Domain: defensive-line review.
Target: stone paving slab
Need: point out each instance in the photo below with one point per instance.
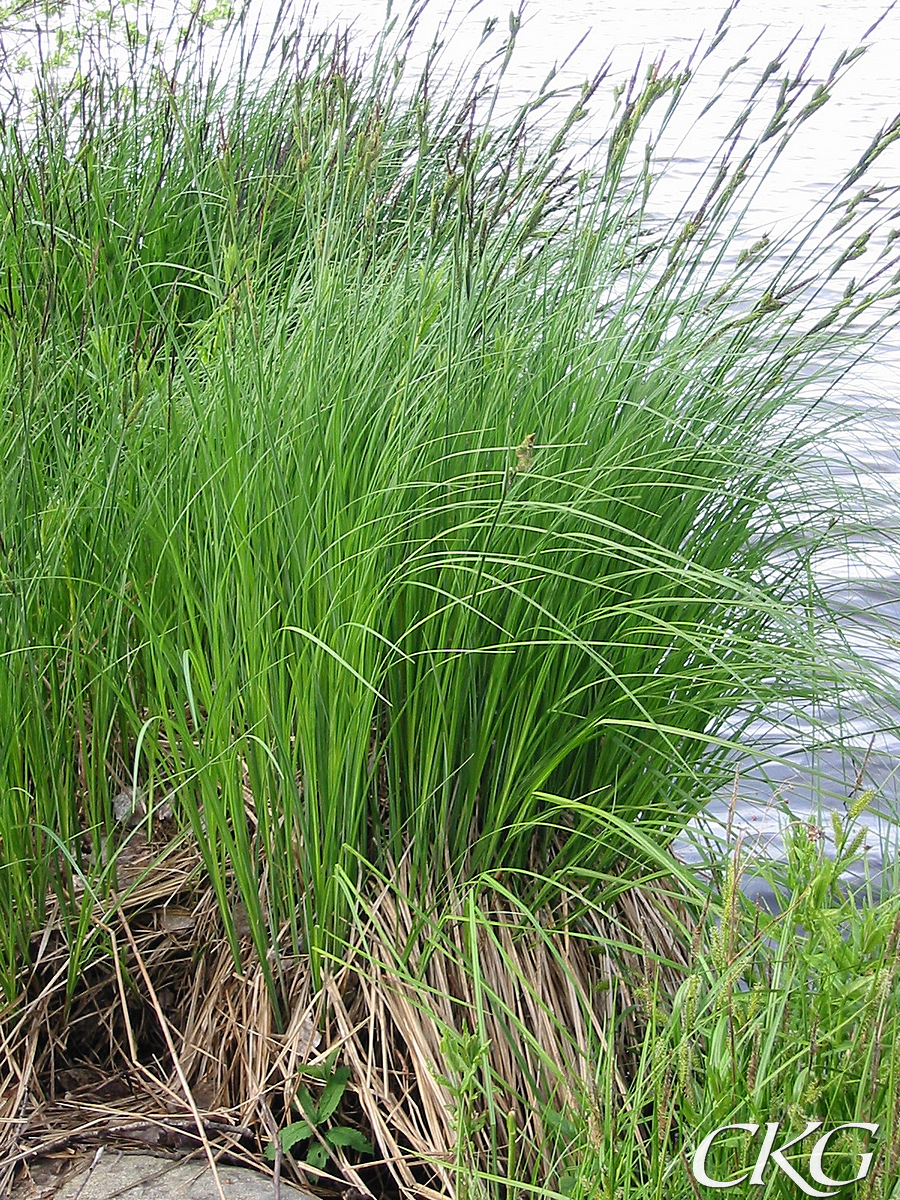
(143, 1177)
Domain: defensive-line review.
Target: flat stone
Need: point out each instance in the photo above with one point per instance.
(143, 1177)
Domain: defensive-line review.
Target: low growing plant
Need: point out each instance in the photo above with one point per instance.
(313, 1130)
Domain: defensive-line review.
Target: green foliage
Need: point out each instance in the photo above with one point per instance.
(786, 1007)
(312, 1129)
(791, 1016)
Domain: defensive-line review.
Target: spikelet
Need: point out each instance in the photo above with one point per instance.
(524, 461)
(861, 803)
(525, 454)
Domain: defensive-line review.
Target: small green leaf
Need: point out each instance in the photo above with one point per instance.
(324, 1069)
(305, 1103)
(317, 1156)
(344, 1136)
(299, 1131)
(334, 1090)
